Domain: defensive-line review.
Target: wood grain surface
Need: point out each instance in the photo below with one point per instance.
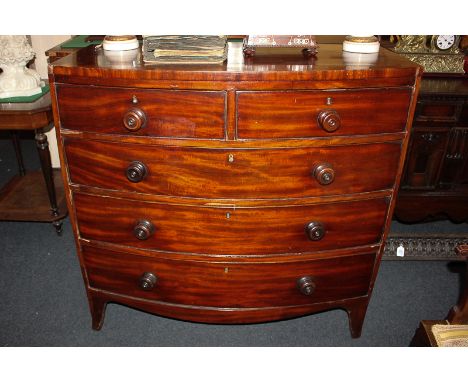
(229, 218)
(233, 173)
(294, 114)
(185, 114)
(227, 284)
(230, 230)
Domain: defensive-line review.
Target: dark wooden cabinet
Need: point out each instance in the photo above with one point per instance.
(251, 191)
(435, 180)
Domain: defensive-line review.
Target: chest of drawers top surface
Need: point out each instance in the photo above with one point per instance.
(255, 190)
(329, 65)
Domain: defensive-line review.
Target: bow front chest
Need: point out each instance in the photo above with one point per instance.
(257, 190)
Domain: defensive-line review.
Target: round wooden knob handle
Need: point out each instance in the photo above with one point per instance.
(148, 281)
(324, 173)
(136, 171)
(315, 231)
(134, 119)
(329, 120)
(143, 229)
(306, 285)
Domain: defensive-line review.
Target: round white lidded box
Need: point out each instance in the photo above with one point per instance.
(124, 42)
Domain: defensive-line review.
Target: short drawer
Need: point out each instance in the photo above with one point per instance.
(229, 284)
(303, 114)
(235, 173)
(158, 113)
(230, 230)
(438, 110)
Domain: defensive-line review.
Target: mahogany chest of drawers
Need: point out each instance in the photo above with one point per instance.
(252, 191)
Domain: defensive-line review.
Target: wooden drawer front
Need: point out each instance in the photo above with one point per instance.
(219, 173)
(295, 114)
(438, 110)
(216, 230)
(426, 154)
(224, 284)
(169, 113)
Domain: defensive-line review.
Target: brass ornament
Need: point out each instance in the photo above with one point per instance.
(422, 50)
(440, 63)
(411, 44)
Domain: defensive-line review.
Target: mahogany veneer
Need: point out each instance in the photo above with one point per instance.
(244, 192)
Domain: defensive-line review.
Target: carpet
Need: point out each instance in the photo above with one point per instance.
(44, 301)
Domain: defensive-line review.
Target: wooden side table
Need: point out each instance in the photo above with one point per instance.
(30, 196)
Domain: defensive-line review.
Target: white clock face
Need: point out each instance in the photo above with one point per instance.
(445, 42)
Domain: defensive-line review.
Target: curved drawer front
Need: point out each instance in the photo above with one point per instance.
(222, 173)
(302, 114)
(224, 284)
(222, 230)
(166, 113)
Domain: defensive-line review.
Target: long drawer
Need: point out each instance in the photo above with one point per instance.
(160, 113)
(235, 173)
(302, 114)
(230, 230)
(229, 284)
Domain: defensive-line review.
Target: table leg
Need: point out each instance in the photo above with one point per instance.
(46, 165)
(19, 156)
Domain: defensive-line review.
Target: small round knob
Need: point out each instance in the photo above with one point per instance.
(136, 171)
(148, 281)
(315, 231)
(143, 229)
(324, 173)
(306, 285)
(329, 120)
(134, 119)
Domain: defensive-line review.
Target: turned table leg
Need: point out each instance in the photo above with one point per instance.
(19, 156)
(46, 165)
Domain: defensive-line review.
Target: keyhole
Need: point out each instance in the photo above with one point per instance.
(231, 158)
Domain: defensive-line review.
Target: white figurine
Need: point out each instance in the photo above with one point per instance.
(17, 80)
